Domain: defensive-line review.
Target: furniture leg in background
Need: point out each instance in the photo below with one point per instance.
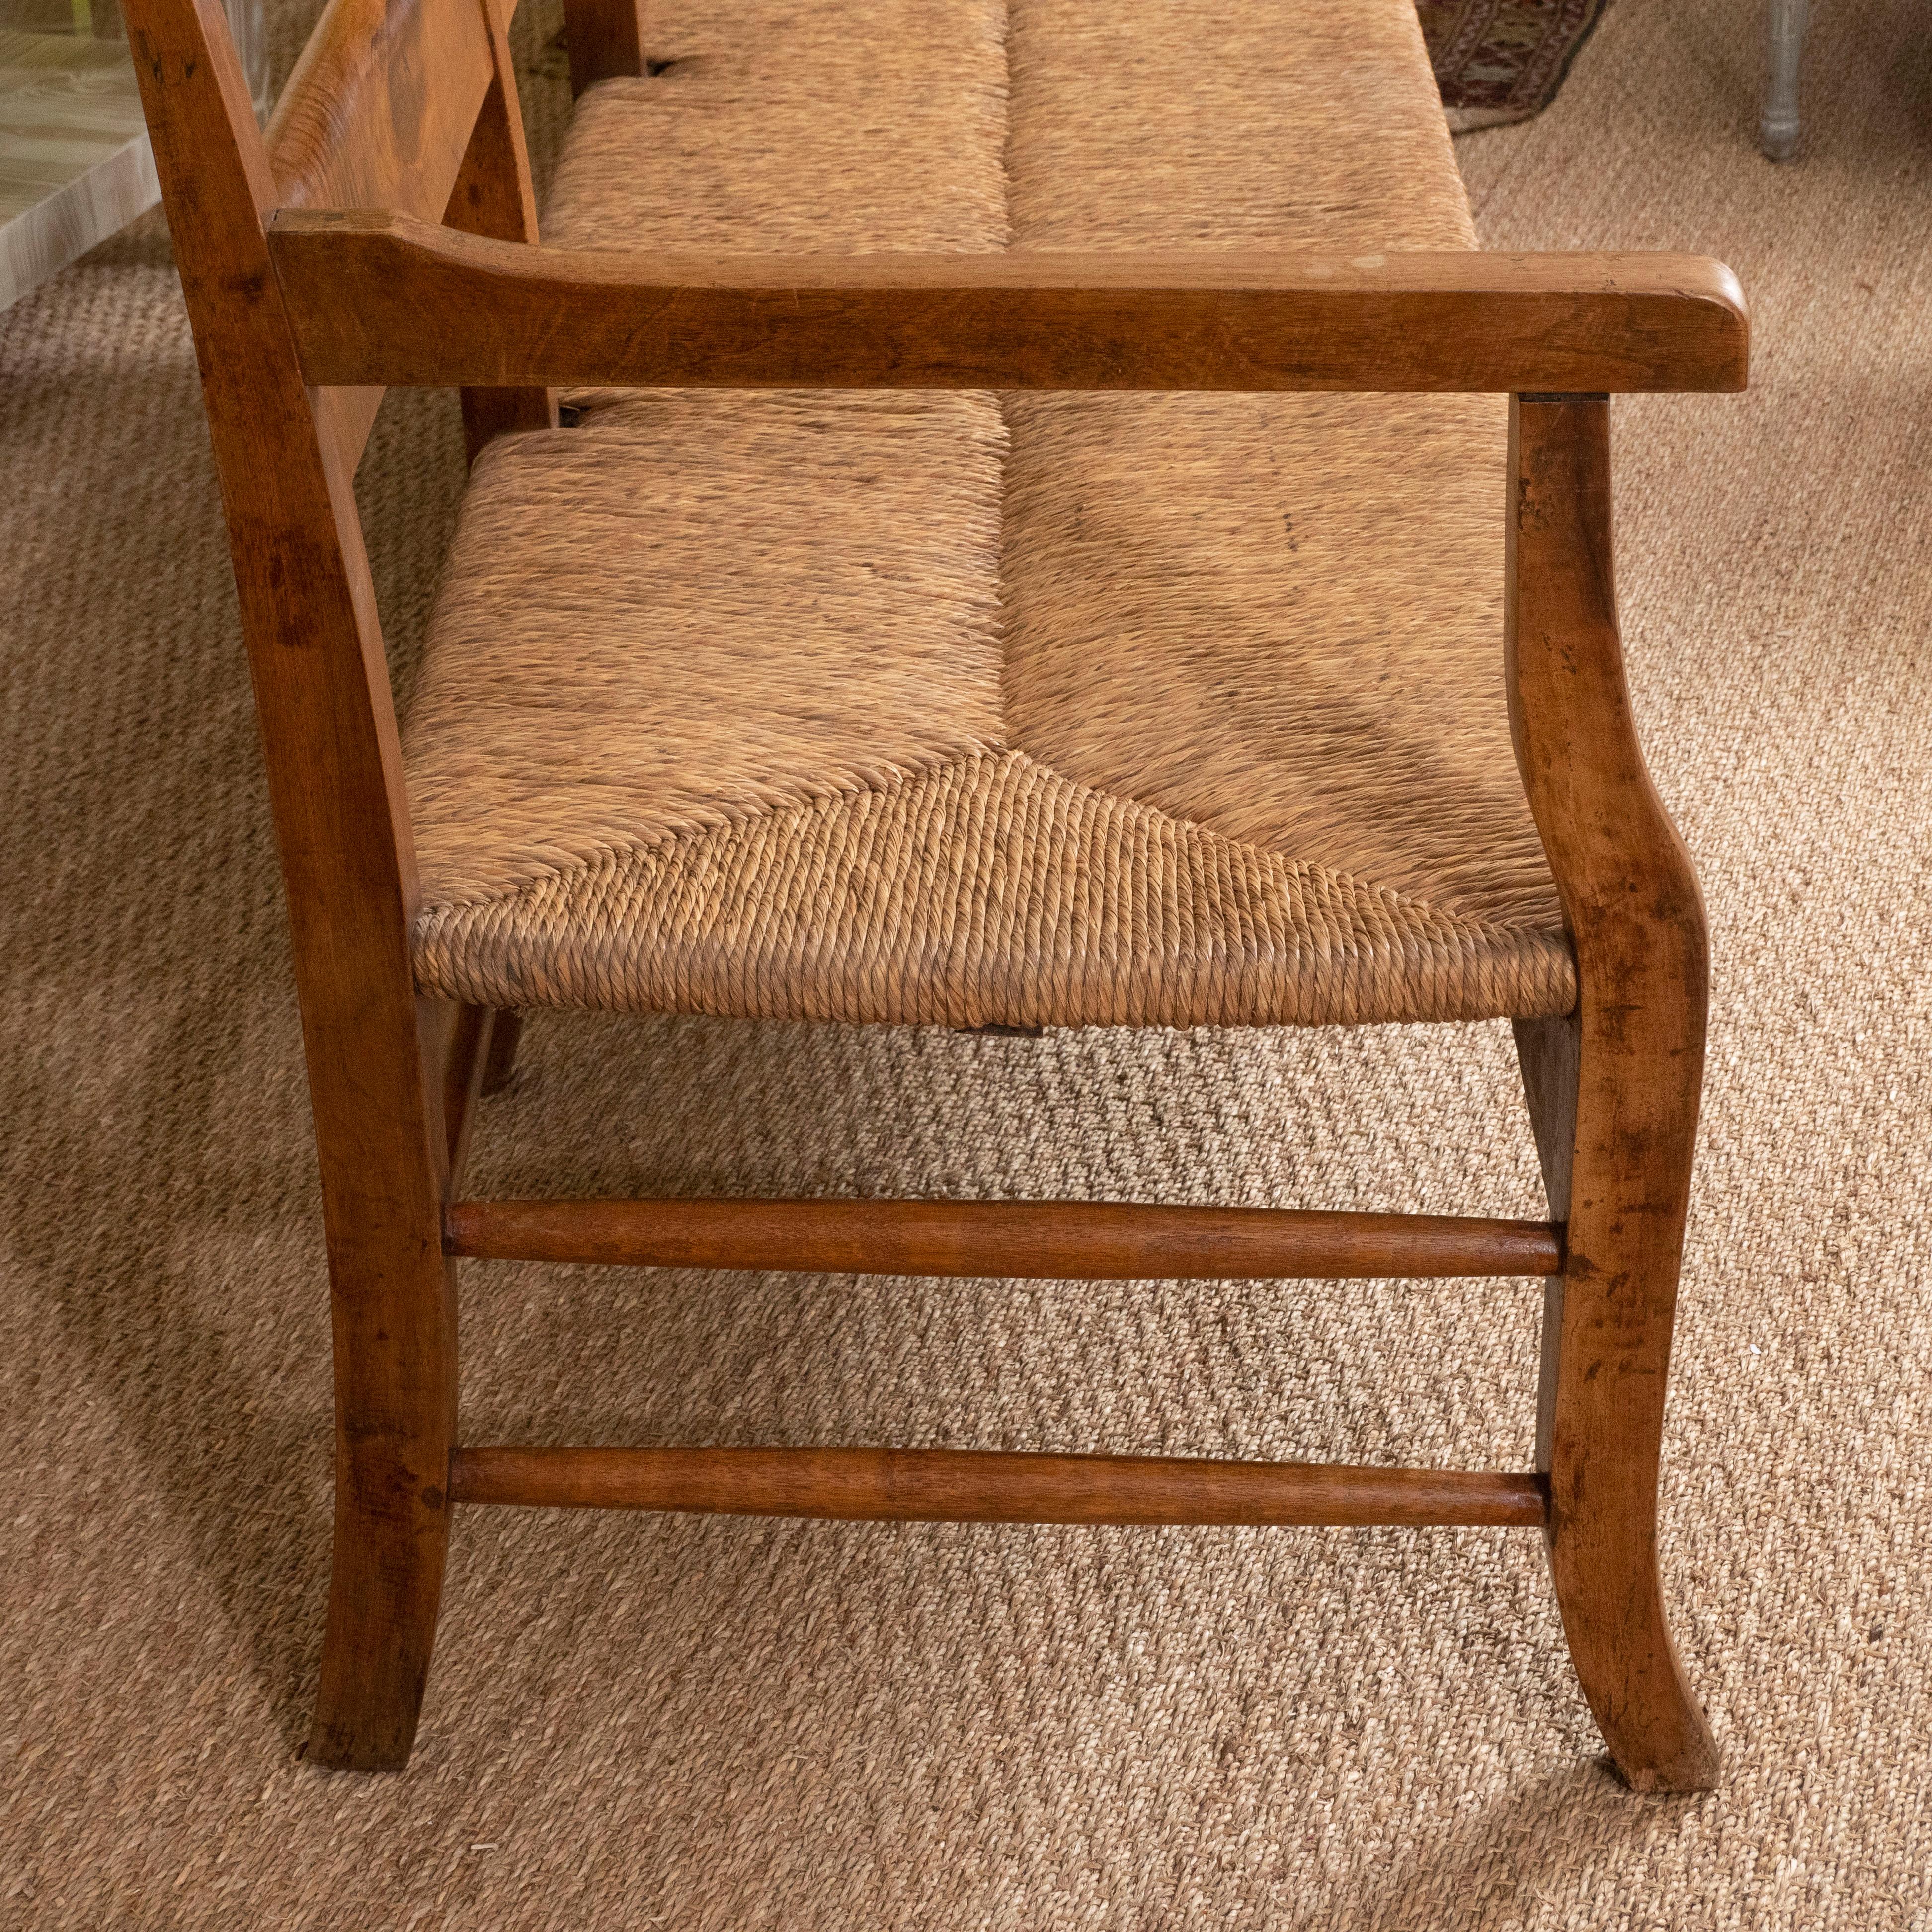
(1777, 132)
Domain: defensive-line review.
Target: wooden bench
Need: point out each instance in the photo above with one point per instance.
(1061, 526)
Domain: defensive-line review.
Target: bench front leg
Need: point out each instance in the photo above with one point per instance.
(1613, 1091)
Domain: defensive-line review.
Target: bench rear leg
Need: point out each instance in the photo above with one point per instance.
(606, 39)
(505, 1033)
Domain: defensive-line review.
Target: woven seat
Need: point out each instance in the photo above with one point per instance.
(722, 713)
(1056, 709)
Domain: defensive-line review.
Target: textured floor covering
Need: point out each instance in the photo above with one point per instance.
(639, 1723)
(1500, 60)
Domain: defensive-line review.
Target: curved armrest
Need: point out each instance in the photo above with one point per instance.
(386, 299)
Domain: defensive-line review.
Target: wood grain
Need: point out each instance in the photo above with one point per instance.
(1057, 1240)
(978, 1486)
(378, 297)
(75, 164)
(378, 113)
(378, 110)
(1614, 1094)
(605, 38)
(493, 195)
(308, 613)
(469, 1044)
(504, 1038)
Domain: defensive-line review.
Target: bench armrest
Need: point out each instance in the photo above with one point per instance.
(387, 299)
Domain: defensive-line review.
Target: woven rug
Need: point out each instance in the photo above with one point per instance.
(1498, 61)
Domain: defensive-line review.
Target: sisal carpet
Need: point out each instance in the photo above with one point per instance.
(641, 1723)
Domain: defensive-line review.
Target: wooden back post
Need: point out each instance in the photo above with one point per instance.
(410, 105)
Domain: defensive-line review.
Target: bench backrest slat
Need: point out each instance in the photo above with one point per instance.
(379, 108)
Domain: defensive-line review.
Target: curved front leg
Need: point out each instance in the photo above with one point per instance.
(1613, 1091)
